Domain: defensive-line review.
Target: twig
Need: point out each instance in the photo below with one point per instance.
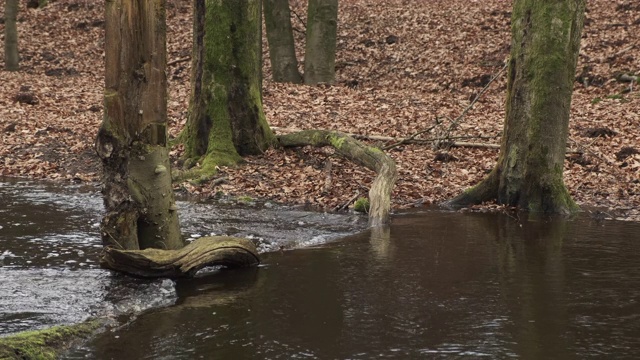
(624, 50)
(475, 145)
(114, 240)
(455, 122)
(177, 61)
(348, 202)
(411, 137)
(293, 11)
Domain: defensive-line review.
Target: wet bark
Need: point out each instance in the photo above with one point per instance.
(11, 57)
(132, 140)
(320, 49)
(544, 51)
(226, 119)
(185, 262)
(282, 53)
(354, 150)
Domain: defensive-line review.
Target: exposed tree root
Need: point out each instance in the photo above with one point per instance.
(486, 190)
(185, 262)
(354, 150)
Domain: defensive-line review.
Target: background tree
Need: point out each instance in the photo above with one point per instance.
(320, 49)
(226, 119)
(11, 58)
(282, 53)
(132, 141)
(544, 51)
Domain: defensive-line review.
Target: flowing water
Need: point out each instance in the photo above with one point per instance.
(433, 285)
(49, 246)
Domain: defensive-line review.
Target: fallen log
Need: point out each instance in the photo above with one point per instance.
(358, 152)
(185, 262)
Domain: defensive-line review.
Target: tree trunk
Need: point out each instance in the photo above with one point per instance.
(544, 51)
(284, 64)
(320, 49)
(370, 157)
(226, 119)
(132, 141)
(11, 58)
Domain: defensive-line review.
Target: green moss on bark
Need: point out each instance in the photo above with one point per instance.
(544, 51)
(226, 120)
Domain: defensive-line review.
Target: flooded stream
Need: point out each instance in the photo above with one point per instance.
(49, 246)
(433, 285)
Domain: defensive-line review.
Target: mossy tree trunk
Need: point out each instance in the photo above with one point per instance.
(226, 119)
(544, 51)
(11, 58)
(132, 141)
(320, 49)
(282, 53)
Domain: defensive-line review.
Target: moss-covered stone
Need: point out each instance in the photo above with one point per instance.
(45, 344)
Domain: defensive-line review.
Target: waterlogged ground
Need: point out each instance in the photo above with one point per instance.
(49, 246)
(435, 285)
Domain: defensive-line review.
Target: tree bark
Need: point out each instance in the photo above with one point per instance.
(226, 119)
(132, 141)
(185, 262)
(544, 51)
(11, 57)
(370, 157)
(320, 49)
(282, 53)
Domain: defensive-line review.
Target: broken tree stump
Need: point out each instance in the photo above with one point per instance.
(360, 153)
(185, 262)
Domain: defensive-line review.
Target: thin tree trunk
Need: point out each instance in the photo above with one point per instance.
(284, 64)
(11, 57)
(226, 119)
(544, 51)
(132, 141)
(320, 49)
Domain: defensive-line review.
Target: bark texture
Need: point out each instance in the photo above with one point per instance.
(370, 157)
(282, 53)
(226, 119)
(11, 57)
(132, 141)
(320, 49)
(185, 262)
(544, 51)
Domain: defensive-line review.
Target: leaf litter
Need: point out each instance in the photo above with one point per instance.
(402, 66)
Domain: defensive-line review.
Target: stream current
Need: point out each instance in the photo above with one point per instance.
(433, 285)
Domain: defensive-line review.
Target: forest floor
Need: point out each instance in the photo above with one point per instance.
(403, 66)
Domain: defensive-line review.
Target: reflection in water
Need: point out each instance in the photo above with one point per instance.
(432, 285)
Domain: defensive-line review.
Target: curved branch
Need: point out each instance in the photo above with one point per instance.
(185, 262)
(356, 151)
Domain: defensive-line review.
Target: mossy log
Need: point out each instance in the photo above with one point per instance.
(358, 152)
(185, 262)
